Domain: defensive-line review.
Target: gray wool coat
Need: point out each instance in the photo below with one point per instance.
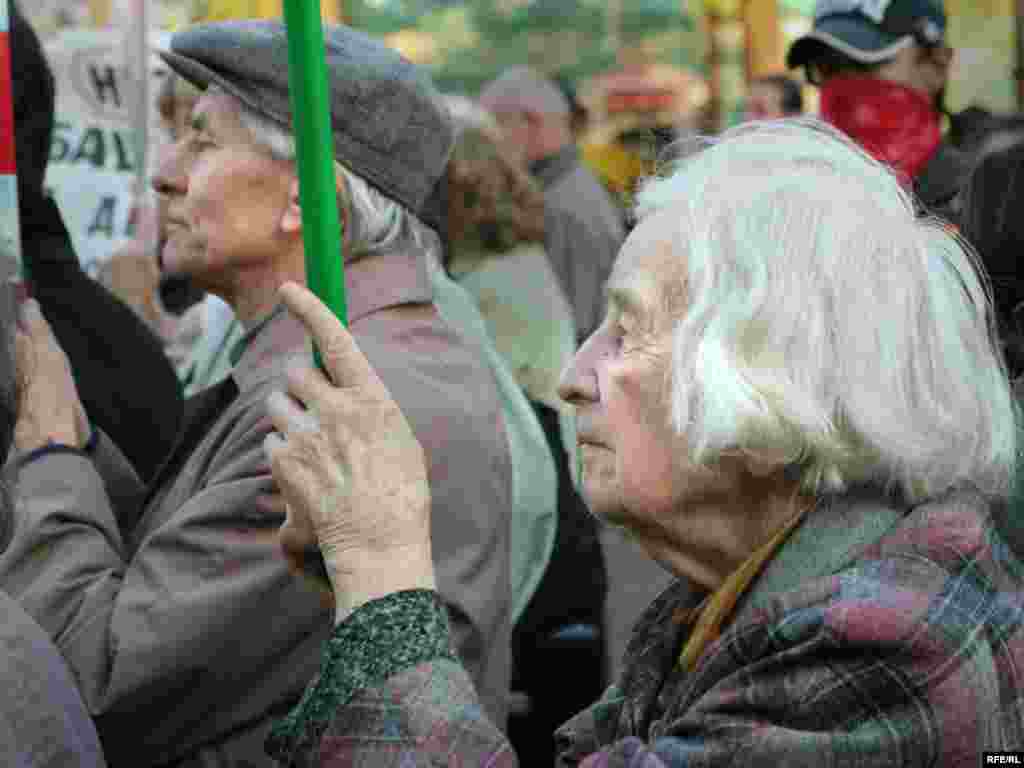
(180, 619)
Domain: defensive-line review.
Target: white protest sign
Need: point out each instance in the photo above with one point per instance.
(93, 173)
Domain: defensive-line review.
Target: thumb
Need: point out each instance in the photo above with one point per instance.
(296, 534)
(24, 356)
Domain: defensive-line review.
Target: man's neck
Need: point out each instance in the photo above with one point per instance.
(255, 293)
(254, 306)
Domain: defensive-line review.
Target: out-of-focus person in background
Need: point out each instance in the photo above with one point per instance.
(127, 386)
(584, 227)
(771, 97)
(992, 220)
(187, 628)
(882, 69)
(797, 403)
(495, 249)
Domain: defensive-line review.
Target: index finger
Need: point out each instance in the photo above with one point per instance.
(346, 366)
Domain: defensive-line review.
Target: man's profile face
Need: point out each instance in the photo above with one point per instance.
(222, 196)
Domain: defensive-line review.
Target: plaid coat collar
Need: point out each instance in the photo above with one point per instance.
(866, 593)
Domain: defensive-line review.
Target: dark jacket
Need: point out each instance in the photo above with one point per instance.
(43, 722)
(126, 383)
(938, 184)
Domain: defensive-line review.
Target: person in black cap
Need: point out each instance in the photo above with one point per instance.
(190, 632)
(882, 67)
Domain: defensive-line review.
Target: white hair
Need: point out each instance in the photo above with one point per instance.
(375, 223)
(828, 328)
(524, 89)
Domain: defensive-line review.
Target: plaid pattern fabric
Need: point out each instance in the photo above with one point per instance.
(877, 636)
(904, 650)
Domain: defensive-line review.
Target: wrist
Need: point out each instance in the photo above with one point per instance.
(358, 578)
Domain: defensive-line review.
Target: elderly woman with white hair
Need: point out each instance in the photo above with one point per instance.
(797, 405)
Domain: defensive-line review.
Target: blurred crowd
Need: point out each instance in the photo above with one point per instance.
(171, 593)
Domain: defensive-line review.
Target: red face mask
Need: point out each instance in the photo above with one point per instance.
(895, 123)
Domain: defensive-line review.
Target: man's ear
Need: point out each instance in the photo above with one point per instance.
(291, 219)
(939, 56)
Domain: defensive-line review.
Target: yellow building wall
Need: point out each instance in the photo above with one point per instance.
(214, 10)
(983, 32)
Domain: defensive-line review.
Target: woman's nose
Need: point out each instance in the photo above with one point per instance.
(578, 382)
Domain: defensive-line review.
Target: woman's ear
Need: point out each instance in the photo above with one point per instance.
(291, 219)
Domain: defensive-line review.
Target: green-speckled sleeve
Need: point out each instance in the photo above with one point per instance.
(379, 640)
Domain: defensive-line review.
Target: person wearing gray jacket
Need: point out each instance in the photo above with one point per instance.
(187, 628)
(583, 226)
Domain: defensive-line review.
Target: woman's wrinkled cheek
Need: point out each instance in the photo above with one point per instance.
(646, 444)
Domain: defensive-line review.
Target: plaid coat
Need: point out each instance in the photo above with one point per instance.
(877, 636)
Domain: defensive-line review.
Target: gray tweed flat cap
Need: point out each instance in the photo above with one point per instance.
(389, 124)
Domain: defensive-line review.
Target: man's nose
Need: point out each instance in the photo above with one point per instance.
(170, 177)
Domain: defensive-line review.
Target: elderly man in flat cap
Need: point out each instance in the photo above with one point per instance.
(186, 625)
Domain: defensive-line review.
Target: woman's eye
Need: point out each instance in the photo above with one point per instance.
(621, 334)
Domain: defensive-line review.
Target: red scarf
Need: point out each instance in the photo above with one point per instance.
(895, 123)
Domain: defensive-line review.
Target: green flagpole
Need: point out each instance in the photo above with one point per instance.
(321, 229)
(311, 118)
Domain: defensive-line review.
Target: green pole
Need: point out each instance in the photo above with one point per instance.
(311, 117)
(321, 229)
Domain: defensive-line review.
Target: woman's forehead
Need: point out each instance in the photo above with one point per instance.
(652, 257)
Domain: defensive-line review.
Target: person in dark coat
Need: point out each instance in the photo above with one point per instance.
(43, 721)
(103, 336)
